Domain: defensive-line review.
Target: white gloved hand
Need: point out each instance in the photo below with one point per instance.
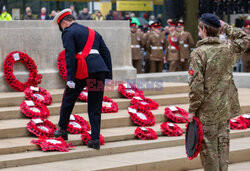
(71, 84)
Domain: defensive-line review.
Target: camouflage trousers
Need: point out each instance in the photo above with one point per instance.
(215, 147)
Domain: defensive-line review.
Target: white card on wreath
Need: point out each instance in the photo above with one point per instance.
(34, 88)
(137, 98)
(37, 121)
(16, 56)
(29, 103)
(131, 110)
(72, 118)
(170, 124)
(89, 132)
(173, 108)
(126, 85)
(144, 129)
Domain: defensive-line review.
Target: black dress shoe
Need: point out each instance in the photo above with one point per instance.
(94, 144)
(61, 133)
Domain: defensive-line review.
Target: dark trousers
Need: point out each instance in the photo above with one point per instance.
(137, 64)
(156, 66)
(95, 84)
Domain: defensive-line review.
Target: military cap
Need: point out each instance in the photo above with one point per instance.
(156, 25)
(210, 19)
(61, 15)
(133, 24)
(171, 23)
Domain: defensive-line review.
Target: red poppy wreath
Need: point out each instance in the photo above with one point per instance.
(129, 90)
(109, 106)
(171, 129)
(34, 77)
(86, 137)
(146, 102)
(176, 114)
(77, 125)
(141, 116)
(246, 119)
(237, 124)
(38, 94)
(41, 127)
(52, 144)
(61, 65)
(34, 109)
(145, 133)
(84, 95)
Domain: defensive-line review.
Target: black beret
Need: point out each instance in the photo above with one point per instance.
(210, 19)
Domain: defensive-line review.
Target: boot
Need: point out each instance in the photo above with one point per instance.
(94, 144)
(61, 133)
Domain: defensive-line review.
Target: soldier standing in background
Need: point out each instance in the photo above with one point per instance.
(136, 44)
(147, 56)
(185, 43)
(156, 43)
(213, 96)
(246, 55)
(173, 50)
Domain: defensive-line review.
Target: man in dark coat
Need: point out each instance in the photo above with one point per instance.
(84, 15)
(97, 62)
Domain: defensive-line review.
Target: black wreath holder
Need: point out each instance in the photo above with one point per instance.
(146, 102)
(34, 110)
(52, 144)
(41, 127)
(84, 95)
(171, 129)
(86, 137)
(129, 90)
(193, 138)
(141, 116)
(109, 106)
(145, 133)
(77, 125)
(176, 114)
(34, 77)
(38, 94)
(237, 124)
(246, 119)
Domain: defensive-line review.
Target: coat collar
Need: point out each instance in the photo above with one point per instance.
(208, 40)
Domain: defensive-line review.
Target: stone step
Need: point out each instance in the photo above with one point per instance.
(17, 127)
(16, 98)
(165, 153)
(242, 166)
(22, 144)
(81, 107)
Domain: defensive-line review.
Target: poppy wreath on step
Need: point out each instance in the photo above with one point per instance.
(109, 106)
(86, 137)
(200, 138)
(52, 144)
(34, 77)
(38, 94)
(34, 109)
(245, 118)
(237, 124)
(141, 116)
(129, 90)
(176, 114)
(146, 102)
(171, 129)
(145, 133)
(77, 125)
(61, 65)
(84, 95)
(41, 127)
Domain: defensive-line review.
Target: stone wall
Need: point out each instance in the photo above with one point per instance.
(42, 41)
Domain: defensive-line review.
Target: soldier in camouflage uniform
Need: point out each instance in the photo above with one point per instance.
(186, 42)
(136, 44)
(173, 49)
(156, 43)
(246, 55)
(213, 95)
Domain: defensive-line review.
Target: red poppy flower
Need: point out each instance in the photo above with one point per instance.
(145, 133)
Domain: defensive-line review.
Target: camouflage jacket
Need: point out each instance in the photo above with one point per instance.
(213, 95)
